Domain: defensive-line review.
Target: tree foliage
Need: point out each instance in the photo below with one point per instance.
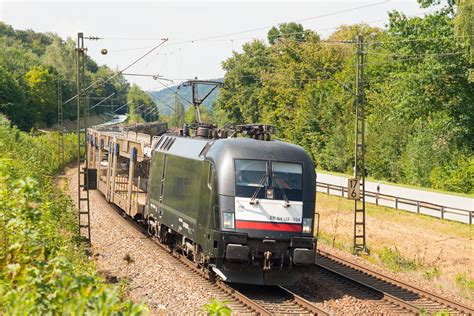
(31, 64)
(420, 102)
(43, 269)
(140, 106)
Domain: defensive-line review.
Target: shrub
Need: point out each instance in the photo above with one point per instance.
(217, 308)
(43, 269)
(394, 260)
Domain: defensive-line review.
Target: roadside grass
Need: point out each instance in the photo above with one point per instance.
(393, 260)
(408, 186)
(465, 284)
(432, 273)
(391, 249)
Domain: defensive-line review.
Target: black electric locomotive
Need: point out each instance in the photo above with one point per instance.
(243, 207)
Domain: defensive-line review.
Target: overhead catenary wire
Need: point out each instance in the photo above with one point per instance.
(419, 39)
(412, 58)
(255, 29)
(322, 42)
(174, 92)
(193, 41)
(164, 40)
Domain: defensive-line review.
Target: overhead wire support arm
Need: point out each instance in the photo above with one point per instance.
(196, 100)
(155, 77)
(164, 40)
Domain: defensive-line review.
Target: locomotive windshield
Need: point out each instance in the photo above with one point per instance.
(251, 177)
(287, 178)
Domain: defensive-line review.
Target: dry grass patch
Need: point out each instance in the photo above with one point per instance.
(424, 247)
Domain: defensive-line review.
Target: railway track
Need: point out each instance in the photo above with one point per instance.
(409, 299)
(269, 301)
(277, 300)
(258, 300)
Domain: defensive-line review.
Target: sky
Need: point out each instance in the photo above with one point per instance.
(201, 34)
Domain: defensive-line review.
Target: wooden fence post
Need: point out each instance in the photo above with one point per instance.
(418, 207)
(442, 212)
(396, 203)
(327, 188)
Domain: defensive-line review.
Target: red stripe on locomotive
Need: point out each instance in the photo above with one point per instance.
(268, 226)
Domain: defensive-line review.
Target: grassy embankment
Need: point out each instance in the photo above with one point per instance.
(423, 247)
(43, 267)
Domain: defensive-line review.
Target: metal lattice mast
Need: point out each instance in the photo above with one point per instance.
(360, 245)
(60, 124)
(82, 157)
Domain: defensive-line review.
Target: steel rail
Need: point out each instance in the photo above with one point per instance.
(405, 286)
(305, 303)
(228, 290)
(241, 298)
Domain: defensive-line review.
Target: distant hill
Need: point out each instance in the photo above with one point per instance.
(165, 98)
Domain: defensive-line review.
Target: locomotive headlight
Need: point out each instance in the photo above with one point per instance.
(307, 225)
(228, 220)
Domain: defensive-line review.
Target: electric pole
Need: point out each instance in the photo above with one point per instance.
(360, 245)
(60, 124)
(82, 143)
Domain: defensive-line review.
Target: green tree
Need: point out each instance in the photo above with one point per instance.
(178, 113)
(238, 98)
(419, 99)
(13, 100)
(42, 94)
(206, 115)
(292, 30)
(464, 29)
(140, 103)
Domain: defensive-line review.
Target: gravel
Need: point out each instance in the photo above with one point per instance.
(341, 297)
(123, 253)
(407, 277)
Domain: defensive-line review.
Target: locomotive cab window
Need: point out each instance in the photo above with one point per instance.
(287, 181)
(250, 175)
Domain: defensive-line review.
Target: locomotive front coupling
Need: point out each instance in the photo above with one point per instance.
(268, 252)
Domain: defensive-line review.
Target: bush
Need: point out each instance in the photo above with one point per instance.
(43, 269)
(456, 176)
(394, 260)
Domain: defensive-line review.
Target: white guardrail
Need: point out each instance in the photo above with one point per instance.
(420, 207)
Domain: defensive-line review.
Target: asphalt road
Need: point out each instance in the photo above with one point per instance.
(447, 200)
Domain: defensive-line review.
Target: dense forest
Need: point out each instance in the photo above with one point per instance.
(33, 64)
(419, 93)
